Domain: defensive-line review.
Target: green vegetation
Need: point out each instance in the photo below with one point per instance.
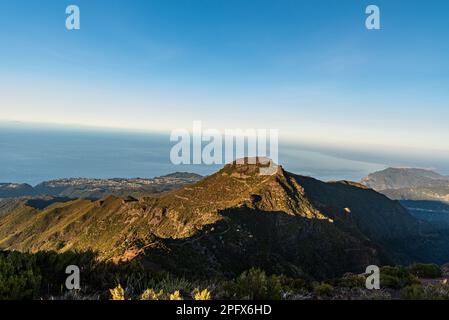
(430, 271)
(20, 277)
(426, 292)
(352, 281)
(323, 290)
(396, 277)
(42, 276)
(254, 285)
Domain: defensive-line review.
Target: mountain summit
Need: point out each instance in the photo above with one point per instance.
(410, 184)
(399, 178)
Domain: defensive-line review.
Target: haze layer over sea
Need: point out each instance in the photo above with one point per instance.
(32, 154)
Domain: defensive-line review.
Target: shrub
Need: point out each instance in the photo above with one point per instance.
(427, 292)
(353, 281)
(323, 290)
(20, 277)
(421, 270)
(294, 284)
(150, 294)
(170, 283)
(414, 292)
(177, 296)
(117, 293)
(201, 295)
(439, 291)
(254, 285)
(396, 277)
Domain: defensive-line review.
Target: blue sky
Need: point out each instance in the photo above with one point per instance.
(308, 68)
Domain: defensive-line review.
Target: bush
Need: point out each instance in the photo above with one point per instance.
(19, 276)
(396, 277)
(294, 284)
(170, 283)
(117, 293)
(150, 294)
(201, 295)
(353, 281)
(323, 290)
(254, 285)
(429, 271)
(428, 292)
(177, 296)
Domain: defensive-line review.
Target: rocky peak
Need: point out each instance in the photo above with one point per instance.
(252, 166)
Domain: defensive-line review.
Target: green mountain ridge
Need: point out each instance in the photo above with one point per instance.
(233, 220)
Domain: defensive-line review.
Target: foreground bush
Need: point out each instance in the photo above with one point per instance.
(352, 281)
(20, 276)
(201, 295)
(429, 271)
(254, 285)
(42, 276)
(117, 293)
(426, 292)
(323, 290)
(396, 277)
(151, 294)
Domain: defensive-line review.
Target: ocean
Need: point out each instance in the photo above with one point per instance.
(32, 154)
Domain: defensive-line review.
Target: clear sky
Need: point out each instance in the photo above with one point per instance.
(308, 68)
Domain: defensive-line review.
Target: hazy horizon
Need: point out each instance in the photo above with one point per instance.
(346, 100)
(36, 153)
